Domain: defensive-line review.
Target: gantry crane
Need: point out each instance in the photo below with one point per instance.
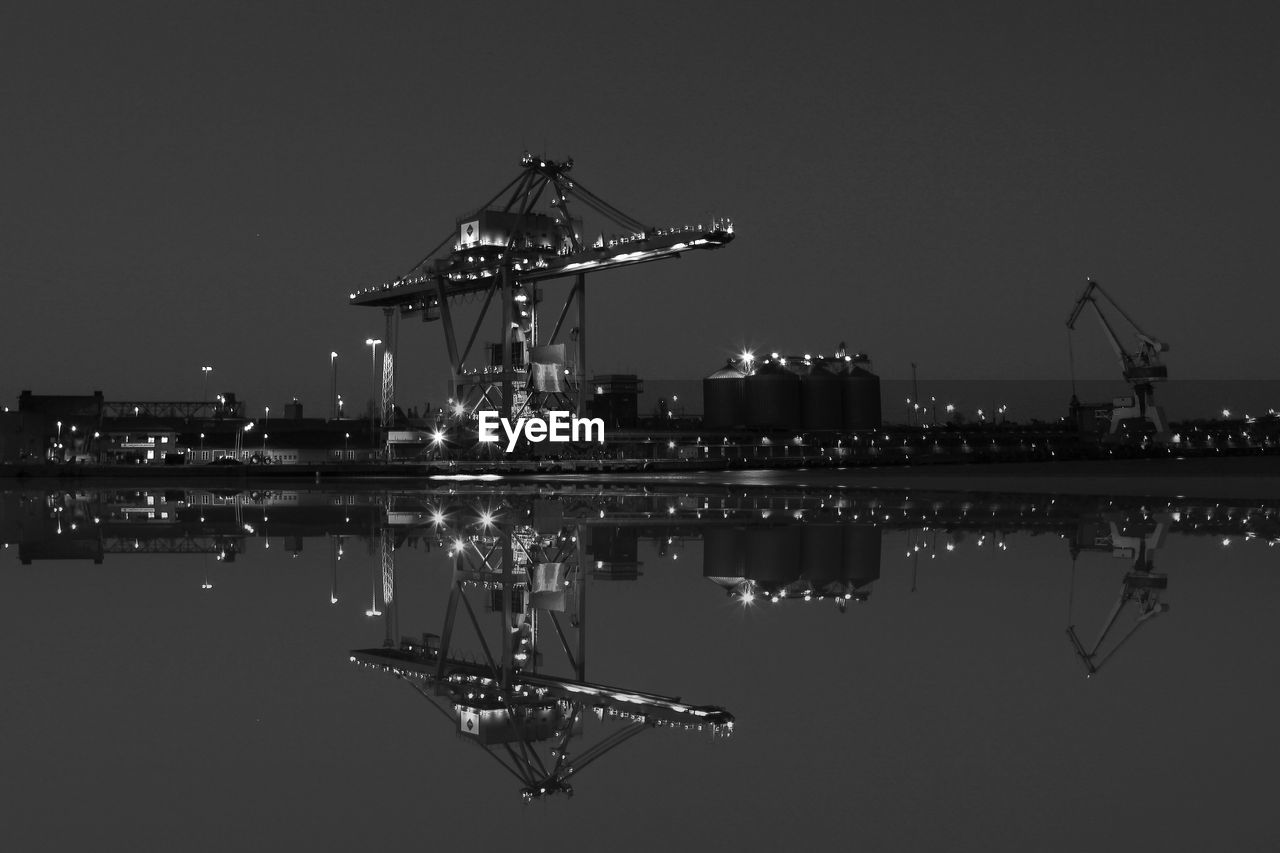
(1141, 369)
(1142, 586)
(506, 249)
(532, 576)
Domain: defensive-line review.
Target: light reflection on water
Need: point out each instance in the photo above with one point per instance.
(682, 648)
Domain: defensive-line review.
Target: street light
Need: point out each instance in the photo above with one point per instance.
(205, 394)
(333, 384)
(372, 344)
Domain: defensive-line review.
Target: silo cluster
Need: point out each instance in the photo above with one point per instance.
(792, 393)
(826, 554)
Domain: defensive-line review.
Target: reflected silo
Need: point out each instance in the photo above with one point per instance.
(861, 553)
(724, 398)
(773, 398)
(861, 399)
(822, 552)
(724, 552)
(773, 553)
(821, 399)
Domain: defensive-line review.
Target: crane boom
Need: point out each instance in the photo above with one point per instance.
(1140, 368)
(1087, 298)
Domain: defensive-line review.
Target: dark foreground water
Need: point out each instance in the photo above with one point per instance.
(937, 671)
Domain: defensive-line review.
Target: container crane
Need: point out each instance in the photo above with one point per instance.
(1141, 369)
(504, 253)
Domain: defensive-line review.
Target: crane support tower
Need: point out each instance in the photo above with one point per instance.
(502, 252)
(1141, 369)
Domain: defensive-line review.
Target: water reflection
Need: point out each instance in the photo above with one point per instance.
(503, 696)
(1129, 536)
(504, 665)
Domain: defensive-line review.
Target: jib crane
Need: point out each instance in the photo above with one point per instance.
(1141, 369)
(1136, 540)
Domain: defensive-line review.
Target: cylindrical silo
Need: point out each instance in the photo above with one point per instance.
(724, 552)
(821, 399)
(861, 553)
(773, 553)
(861, 399)
(773, 398)
(724, 398)
(822, 552)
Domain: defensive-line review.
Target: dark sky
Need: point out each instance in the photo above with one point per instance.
(203, 185)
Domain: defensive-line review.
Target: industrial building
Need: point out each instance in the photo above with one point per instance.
(90, 430)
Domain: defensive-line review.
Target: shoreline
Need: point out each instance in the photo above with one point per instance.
(1237, 477)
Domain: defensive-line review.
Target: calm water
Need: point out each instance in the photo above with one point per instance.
(180, 674)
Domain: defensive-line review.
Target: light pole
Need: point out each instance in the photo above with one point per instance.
(205, 394)
(266, 416)
(373, 600)
(915, 386)
(333, 385)
(372, 343)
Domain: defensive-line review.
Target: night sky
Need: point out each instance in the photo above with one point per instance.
(192, 185)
